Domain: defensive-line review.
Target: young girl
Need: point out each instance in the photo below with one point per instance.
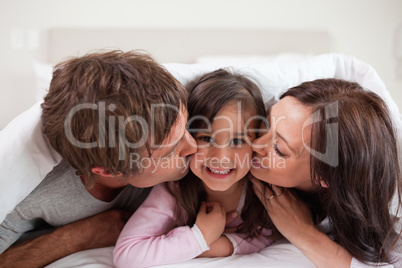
(187, 218)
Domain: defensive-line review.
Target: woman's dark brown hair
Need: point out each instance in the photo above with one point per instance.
(101, 104)
(212, 92)
(362, 174)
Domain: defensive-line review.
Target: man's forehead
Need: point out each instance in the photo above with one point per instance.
(176, 132)
(178, 127)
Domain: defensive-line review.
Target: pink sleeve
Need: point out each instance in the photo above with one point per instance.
(246, 246)
(142, 241)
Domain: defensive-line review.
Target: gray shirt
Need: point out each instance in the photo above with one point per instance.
(59, 199)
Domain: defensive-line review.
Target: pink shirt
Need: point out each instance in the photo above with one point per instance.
(142, 242)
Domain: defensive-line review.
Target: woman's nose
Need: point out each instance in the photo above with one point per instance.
(260, 145)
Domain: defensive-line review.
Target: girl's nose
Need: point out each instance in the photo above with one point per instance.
(221, 152)
(220, 157)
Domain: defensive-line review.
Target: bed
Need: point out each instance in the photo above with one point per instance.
(265, 55)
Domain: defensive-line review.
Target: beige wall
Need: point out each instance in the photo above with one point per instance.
(362, 28)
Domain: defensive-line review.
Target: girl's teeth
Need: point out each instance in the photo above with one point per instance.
(220, 172)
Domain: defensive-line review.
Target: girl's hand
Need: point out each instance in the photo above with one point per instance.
(211, 220)
(222, 247)
(291, 216)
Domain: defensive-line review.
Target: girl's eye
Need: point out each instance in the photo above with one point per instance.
(205, 139)
(237, 142)
(275, 146)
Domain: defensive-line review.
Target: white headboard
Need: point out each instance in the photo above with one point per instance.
(186, 45)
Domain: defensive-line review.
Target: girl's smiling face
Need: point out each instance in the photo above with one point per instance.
(224, 149)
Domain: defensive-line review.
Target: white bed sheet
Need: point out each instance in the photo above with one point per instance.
(281, 254)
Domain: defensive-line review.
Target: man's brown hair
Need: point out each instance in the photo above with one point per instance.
(104, 106)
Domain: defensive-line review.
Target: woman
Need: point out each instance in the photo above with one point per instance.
(334, 145)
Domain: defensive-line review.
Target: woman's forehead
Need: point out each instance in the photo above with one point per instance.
(292, 120)
(291, 109)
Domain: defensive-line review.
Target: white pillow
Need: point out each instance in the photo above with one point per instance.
(43, 75)
(26, 157)
(251, 59)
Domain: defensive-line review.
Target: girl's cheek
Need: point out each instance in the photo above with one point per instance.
(244, 159)
(193, 162)
(197, 160)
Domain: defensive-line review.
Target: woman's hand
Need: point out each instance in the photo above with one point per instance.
(294, 220)
(290, 215)
(211, 220)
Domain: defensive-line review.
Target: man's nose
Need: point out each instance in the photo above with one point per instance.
(188, 145)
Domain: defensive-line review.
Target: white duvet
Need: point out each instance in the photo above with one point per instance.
(281, 254)
(26, 156)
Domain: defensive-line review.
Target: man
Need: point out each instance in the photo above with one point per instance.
(118, 119)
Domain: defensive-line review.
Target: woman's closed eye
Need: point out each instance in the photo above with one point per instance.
(275, 146)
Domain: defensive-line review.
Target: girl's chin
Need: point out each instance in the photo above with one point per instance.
(216, 187)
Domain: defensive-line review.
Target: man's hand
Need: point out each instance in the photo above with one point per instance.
(100, 230)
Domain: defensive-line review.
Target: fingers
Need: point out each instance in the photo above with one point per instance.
(219, 208)
(203, 207)
(260, 189)
(262, 192)
(230, 230)
(257, 184)
(231, 216)
(278, 191)
(209, 207)
(273, 191)
(267, 195)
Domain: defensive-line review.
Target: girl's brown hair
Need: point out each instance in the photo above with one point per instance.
(116, 96)
(212, 92)
(365, 176)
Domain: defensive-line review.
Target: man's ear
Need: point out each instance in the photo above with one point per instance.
(104, 172)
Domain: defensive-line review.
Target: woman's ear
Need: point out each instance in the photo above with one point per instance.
(320, 181)
(323, 183)
(104, 172)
